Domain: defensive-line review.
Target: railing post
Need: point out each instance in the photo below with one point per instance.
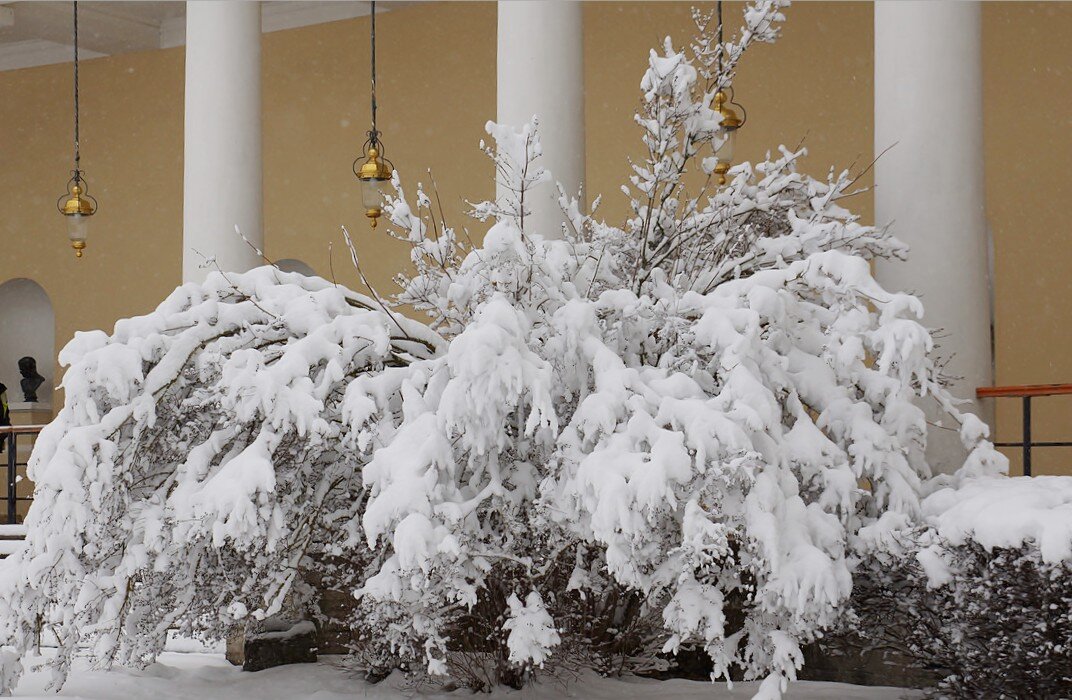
(12, 472)
(1027, 436)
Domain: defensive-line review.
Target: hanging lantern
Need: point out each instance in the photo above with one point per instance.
(725, 139)
(726, 135)
(376, 169)
(77, 205)
(373, 173)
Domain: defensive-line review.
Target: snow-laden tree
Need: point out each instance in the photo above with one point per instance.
(609, 442)
(196, 458)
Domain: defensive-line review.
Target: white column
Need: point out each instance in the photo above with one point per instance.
(541, 73)
(222, 165)
(929, 185)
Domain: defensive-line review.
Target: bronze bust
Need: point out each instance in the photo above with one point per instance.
(31, 380)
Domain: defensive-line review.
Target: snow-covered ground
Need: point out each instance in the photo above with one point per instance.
(209, 677)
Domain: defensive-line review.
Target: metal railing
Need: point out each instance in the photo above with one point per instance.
(1025, 394)
(12, 436)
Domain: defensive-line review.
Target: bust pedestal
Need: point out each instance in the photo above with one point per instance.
(27, 413)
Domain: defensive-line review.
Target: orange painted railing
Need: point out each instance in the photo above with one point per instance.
(1027, 390)
(1025, 393)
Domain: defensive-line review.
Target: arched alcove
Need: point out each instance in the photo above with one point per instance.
(27, 328)
(295, 265)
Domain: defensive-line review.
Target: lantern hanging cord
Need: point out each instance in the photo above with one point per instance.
(720, 49)
(77, 155)
(374, 134)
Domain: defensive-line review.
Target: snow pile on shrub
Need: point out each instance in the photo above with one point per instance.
(672, 434)
(980, 593)
(532, 630)
(1007, 513)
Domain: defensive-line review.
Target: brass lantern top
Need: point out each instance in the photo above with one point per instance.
(77, 204)
(724, 106)
(376, 167)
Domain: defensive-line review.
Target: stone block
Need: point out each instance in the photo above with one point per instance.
(275, 643)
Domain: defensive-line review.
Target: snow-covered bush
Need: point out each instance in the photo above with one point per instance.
(630, 440)
(980, 596)
(195, 463)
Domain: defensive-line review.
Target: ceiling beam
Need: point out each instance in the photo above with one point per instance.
(40, 33)
(287, 14)
(101, 30)
(35, 52)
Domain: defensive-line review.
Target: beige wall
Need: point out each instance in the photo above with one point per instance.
(437, 88)
(1028, 116)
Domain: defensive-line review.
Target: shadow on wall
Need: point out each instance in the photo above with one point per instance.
(27, 329)
(292, 265)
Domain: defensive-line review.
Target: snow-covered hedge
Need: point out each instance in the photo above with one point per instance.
(671, 433)
(980, 595)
